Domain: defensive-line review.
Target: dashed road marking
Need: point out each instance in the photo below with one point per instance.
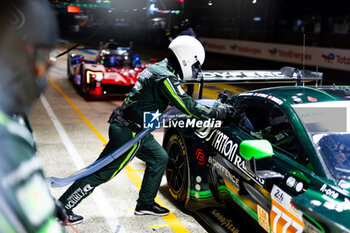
(98, 196)
(159, 226)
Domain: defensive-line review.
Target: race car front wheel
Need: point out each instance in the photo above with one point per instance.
(176, 172)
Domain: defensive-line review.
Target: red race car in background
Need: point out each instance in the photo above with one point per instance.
(114, 72)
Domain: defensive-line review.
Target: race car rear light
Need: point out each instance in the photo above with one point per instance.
(73, 9)
(91, 75)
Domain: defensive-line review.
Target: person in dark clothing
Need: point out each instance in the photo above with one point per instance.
(187, 29)
(28, 34)
(157, 87)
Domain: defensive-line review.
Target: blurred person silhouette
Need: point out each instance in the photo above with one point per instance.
(28, 34)
(185, 29)
(341, 149)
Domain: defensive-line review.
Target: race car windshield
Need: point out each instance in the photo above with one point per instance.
(328, 127)
(117, 61)
(335, 150)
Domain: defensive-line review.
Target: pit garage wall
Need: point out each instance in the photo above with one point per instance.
(314, 56)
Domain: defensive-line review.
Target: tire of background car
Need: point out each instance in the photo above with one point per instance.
(82, 77)
(68, 69)
(177, 171)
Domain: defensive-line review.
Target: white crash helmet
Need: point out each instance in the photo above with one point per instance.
(189, 53)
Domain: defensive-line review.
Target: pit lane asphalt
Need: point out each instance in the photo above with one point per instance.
(70, 133)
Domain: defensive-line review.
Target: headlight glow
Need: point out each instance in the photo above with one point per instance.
(90, 75)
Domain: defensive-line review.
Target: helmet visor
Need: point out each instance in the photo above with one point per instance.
(196, 69)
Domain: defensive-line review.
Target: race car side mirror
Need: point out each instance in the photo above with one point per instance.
(257, 149)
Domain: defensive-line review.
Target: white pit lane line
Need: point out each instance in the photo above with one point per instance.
(98, 196)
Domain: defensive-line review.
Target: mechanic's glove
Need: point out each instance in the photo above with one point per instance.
(224, 112)
(221, 112)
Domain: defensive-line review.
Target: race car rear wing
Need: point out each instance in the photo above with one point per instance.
(284, 75)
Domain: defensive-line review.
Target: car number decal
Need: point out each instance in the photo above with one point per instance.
(284, 217)
(225, 146)
(263, 218)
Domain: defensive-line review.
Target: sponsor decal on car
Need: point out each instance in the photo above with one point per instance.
(284, 217)
(329, 191)
(265, 96)
(311, 99)
(200, 156)
(225, 222)
(344, 184)
(229, 150)
(263, 218)
(225, 146)
(292, 183)
(332, 204)
(233, 180)
(337, 206)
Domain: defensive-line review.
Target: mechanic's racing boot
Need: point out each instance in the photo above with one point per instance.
(73, 218)
(154, 209)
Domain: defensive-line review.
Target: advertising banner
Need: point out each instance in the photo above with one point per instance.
(313, 56)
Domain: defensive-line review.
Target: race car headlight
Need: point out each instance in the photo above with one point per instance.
(91, 75)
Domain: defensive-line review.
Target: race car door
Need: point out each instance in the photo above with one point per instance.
(267, 185)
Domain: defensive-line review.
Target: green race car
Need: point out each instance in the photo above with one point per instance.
(283, 157)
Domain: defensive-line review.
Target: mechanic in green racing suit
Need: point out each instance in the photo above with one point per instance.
(28, 33)
(157, 87)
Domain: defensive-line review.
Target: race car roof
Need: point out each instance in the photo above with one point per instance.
(325, 117)
(300, 94)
